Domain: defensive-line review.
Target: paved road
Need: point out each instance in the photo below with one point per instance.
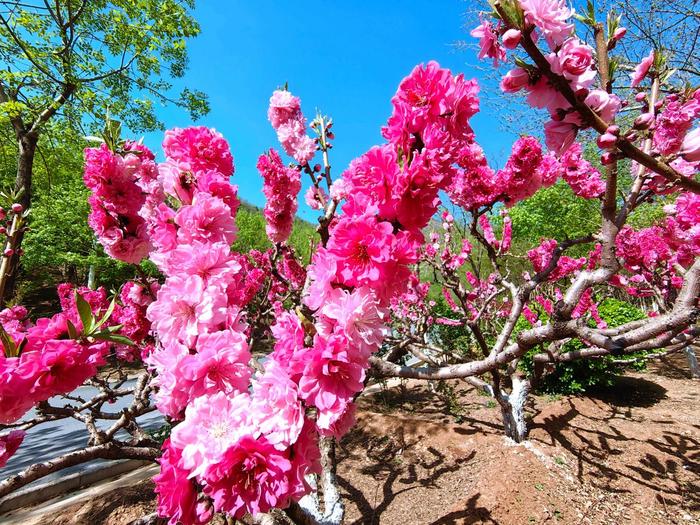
(51, 439)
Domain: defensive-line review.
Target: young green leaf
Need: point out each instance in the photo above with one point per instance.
(85, 313)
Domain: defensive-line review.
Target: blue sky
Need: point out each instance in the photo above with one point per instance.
(344, 58)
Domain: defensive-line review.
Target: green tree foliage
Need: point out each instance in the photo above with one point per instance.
(83, 58)
(252, 236)
(553, 213)
(70, 64)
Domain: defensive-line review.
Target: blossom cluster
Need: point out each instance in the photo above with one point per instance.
(50, 357)
(118, 183)
(236, 448)
(281, 184)
(668, 121)
(45, 360)
(288, 121)
(569, 58)
(653, 255)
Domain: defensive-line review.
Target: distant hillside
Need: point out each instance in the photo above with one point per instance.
(251, 232)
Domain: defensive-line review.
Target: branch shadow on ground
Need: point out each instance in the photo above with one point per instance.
(611, 428)
(397, 472)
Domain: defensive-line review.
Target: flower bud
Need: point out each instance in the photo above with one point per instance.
(619, 33)
(17, 208)
(3, 213)
(607, 158)
(9, 252)
(643, 121)
(607, 141)
(511, 38)
(690, 149)
(613, 130)
(640, 97)
(3, 230)
(515, 80)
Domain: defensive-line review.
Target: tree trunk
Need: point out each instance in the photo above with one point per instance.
(26, 146)
(308, 511)
(692, 362)
(513, 409)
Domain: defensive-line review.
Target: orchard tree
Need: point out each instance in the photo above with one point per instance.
(256, 358)
(77, 60)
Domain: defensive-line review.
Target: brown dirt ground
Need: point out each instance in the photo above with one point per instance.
(629, 454)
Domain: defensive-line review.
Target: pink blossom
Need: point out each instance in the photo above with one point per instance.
(574, 61)
(305, 460)
(9, 443)
(356, 315)
(283, 107)
(186, 307)
(337, 424)
(475, 184)
(673, 124)
(288, 121)
(220, 364)
(642, 69)
(559, 135)
(198, 148)
(176, 182)
(542, 94)
(251, 477)
(419, 100)
(63, 366)
(315, 198)
(604, 103)
(416, 191)
(211, 426)
(362, 247)
(541, 257)
(289, 342)
(372, 178)
(115, 204)
(550, 169)
(177, 494)
(330, 377)
(488, 42)
(207, 219)
(322, 274)
(213, 262)
(511, 38)
(520, 178)
(278, 413)
(173, 391)
(16, 379)
(552, 18)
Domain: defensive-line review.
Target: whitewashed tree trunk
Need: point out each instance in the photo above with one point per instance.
(309, 511)
(513, 409)
(692, 362)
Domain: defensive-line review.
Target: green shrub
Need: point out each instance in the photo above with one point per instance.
(580, 376)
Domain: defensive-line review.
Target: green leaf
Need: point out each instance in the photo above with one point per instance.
(107, 313)
(8, 343)
(114, 338)
(72, 331)
(85, 313)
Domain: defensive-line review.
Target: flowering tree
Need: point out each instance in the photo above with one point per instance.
(256, 359)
